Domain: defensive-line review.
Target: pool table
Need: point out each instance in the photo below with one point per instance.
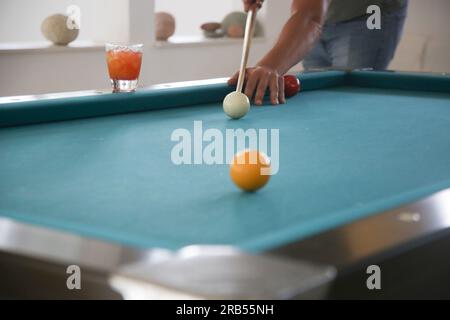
(86, 179)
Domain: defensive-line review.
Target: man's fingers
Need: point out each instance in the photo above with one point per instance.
(262, 86)
(257, 81)
(250, 85)
(234, 79)
(281, 97)
(273, 85)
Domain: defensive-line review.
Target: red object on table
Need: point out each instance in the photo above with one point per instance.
(291, 85)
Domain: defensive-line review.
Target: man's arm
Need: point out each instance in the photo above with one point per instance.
(296, 39)
(298, 35)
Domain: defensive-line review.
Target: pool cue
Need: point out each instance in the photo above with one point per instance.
(249, 29)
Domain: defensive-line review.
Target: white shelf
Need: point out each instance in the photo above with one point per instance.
(200, 40)
(46, 47)
(77, 46)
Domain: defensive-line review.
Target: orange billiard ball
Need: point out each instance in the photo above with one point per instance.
(250, 170)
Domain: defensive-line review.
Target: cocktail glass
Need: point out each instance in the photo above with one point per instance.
(124, 65)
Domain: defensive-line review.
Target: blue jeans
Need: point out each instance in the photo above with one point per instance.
(352, 45)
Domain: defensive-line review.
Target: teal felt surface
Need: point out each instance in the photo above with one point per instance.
(400, 80)
(46, 110)
(345, 153)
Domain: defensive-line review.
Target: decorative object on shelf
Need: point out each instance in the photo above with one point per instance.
(212, 30)
(211, 26)
(55, 29)
(235, 31)
(234, 25)
(164, 26)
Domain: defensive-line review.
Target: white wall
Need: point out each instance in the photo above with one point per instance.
(425, 45)
(430, 18)
(50, 71)
(39, 72)
(189, 15)
(101, 20)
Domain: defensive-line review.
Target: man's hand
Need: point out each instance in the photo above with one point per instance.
(297, 38)
(248, 4)
(258, 80)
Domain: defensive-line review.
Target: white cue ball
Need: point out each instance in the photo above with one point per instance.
(236, 105)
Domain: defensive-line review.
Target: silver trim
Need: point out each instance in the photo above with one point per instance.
(225, 273)
(74, 94)
(300, 269)
(219, 272)
(385, 233)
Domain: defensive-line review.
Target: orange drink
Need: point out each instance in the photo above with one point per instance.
(124, 66)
